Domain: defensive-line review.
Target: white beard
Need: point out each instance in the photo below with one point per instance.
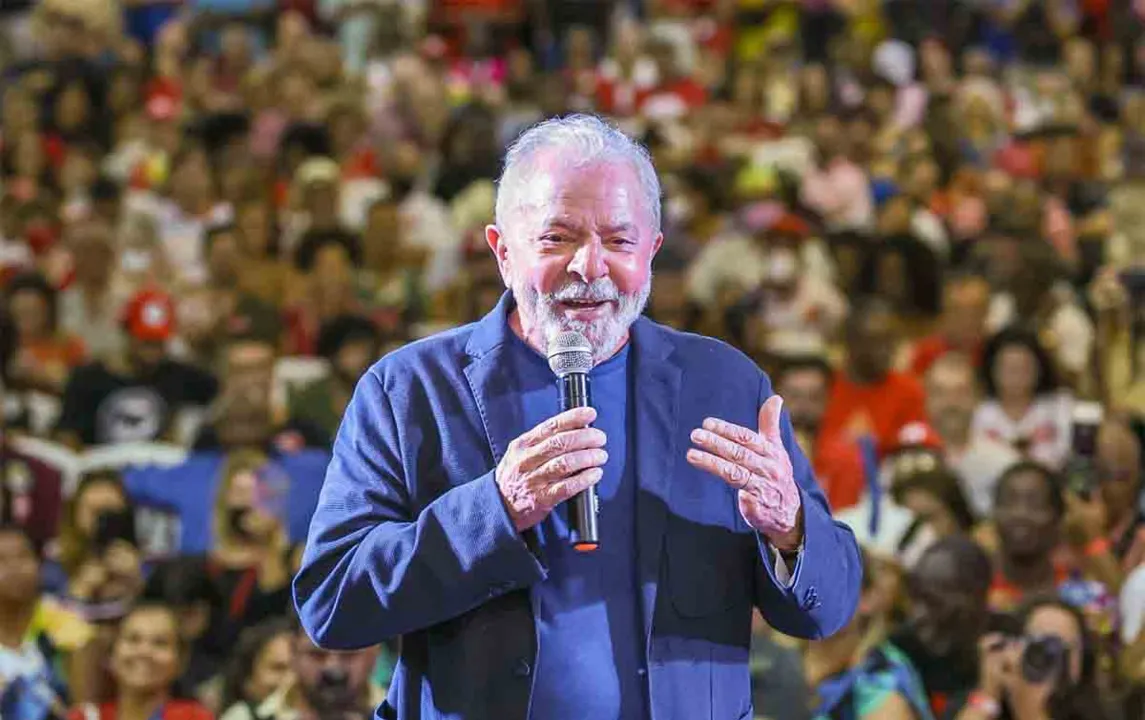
(604, 334)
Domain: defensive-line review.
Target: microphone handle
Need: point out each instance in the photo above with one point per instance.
(585, 535)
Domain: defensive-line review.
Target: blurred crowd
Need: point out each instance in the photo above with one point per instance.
(925, 218)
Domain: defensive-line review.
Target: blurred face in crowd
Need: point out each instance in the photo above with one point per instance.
(321, 202)
(1057, 622)
(235, 45)
(332, 682)
(1015, 373)
(78, 171)
(965, 305)
(29, 160)
(946, 611)
(145, 355)
(1080, 62)
(805, 392)
(1119, 470)
(829, 138)
(254, 222)
(951, 398)
(816, 90)
(248, 368)
(922, 181)
(576, 250)
(382, 237)
(225, 258)
(72, 108)
(92, 250)
(332, 270)
(1026, 518)
(30, 314)
(97, 498)
(871, 344)
(145, 658)
(934, 61)
(191, 184)
(271, 668)
(247, 522)
(19, 570)
(19, 113)
(353, 358)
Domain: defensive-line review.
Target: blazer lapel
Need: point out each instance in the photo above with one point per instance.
(489, 380)
(656, 394)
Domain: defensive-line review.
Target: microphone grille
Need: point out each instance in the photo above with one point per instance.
(570, 352)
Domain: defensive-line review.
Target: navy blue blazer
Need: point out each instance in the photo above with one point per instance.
(411, 537)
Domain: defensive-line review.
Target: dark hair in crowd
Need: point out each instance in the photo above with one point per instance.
(1020, 337)
(37, 283)
(944, 486)
(252, 641)
(803, 363)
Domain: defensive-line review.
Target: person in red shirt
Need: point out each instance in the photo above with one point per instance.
(145, 661)
(867, 397)
(965, 303)
(804, 384)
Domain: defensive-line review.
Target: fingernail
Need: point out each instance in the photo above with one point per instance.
(693, 455)
(698, 435)
(709, 424)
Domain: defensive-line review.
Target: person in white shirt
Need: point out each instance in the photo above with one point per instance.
(952, 394)
(1025, 408)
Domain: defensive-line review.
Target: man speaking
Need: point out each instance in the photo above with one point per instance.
(444, 515)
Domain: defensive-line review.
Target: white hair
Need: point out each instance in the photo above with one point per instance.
(581, 140)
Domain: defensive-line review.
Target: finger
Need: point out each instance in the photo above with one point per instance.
(568, 420)
(735, 433)
(769, 417)
(735, 475)
(732, 452)
(571, 463)
(561, 443)
(562, 490)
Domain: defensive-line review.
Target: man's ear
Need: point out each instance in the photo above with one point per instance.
(500, 247)
(657, 242)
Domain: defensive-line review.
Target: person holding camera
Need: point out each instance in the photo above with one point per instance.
(98, 549)
(1045, 673)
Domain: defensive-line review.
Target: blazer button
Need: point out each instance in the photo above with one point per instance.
(522, 668)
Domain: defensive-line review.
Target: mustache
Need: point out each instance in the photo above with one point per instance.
(602, 290)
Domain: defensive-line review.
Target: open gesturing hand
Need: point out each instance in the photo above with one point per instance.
(756, 463)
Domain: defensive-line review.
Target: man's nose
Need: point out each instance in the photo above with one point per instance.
(588, 261)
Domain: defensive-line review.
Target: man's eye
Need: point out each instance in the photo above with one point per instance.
(553, 239)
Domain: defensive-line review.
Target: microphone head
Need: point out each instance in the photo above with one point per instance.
(570, 352)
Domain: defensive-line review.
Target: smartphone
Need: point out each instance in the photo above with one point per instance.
(111, 526)
(1081, 470)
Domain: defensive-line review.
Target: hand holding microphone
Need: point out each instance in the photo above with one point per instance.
(549, 464)
(562, 458)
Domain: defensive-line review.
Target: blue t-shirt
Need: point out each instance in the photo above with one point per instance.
(588, 612)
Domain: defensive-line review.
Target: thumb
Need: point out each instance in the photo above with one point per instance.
(769, 416)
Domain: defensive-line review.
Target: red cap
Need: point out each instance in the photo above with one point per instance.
(791, 225)
(150, 316)
(918, 435)
(164, 101)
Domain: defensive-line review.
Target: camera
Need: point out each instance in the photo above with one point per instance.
(1043, 658)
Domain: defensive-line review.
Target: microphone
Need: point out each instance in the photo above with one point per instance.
(570, 358)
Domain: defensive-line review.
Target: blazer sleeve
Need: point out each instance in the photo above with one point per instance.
(822, 592)
(373, 568)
